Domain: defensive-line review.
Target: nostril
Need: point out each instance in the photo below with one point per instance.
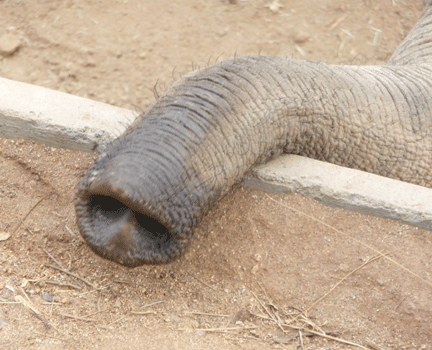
(153, 229)
(106, 208)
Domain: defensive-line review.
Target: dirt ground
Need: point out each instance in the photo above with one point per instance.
(257, 264)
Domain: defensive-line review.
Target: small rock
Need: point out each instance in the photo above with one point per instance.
(24, 283)
(117, 303)
(281, 340)
(3, 324)
(66, 300)
(7, 292)
(344, 267)
(4, 235)
(9, 44)
(47, 297)
(275, 6)
(300, 37)
(201, 333)
(90, 63)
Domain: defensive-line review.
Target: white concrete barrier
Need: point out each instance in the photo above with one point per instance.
(62, 120)
(346, 188)
(56, 118)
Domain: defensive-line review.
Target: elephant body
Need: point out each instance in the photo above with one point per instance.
(141, 200)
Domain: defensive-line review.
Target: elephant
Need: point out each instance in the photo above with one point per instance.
(141, 200)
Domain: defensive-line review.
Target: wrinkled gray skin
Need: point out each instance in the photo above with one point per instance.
(141, 200)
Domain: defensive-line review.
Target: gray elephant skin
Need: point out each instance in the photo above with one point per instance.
(140, 202)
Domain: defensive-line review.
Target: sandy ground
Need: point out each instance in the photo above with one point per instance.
(257, 261)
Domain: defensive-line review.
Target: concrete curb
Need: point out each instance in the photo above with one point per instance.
(62, 120)
(346, 188)
(58, 119)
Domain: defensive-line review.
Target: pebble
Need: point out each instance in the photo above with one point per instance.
(4, 235)
(66, 300)
(47, 297)
(3, 324)
(300, 37)
(7, 292)
(9, 44)
(344, 267)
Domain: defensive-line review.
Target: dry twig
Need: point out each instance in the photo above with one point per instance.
(301, 339)
(321, 334)
(28, 213)
(64, 285)
(79, 318)
(71, 274)
(338, 21)
(48, 336)
(268, 312)
(207, 285)
(61, 266)
(401, 302)
(98, 312)
(28, 304)
(96, 290)
(204, 314)
(225, 329)
(324, 335)
(155, 303)
(144, 312)
(118, 320)
(70, 231)
(334, 287)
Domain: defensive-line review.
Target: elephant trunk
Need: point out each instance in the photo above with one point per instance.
(141, 200)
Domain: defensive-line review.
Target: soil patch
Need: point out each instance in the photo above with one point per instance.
(258, 260)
